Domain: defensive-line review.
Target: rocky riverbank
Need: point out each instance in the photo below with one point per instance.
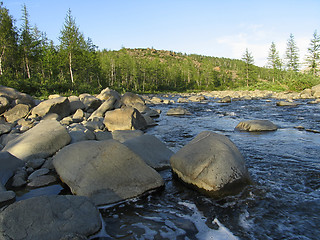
(96, 146)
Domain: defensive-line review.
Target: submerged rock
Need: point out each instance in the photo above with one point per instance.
(105, 171)
(211, 163)
(256, 126)
(49, 217)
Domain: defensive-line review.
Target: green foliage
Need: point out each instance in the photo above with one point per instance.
(313, 57)
(292, 55)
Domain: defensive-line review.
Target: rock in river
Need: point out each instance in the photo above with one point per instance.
(41, 141)
(256, 126)
(49, 217)
(211, 163)
(105, 171)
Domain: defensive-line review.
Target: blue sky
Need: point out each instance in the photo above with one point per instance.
(213, 28)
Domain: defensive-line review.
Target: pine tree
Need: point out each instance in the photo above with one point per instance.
(274, 61)
(248, 59)
(313, 57)
(8, 41)
(292, 55)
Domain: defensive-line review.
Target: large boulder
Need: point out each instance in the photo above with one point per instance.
(154, 152)
(59, 105)
(105, 171)
(211, 163)
(107, 105)
(126, 118)
(130, 99)
(41, 141)
(17, 112)
(49, 217)
(9, 164)
(256, 126)
(15, 96)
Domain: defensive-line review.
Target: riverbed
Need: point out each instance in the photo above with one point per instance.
(282, 203)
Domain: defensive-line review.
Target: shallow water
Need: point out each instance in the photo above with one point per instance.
(283, 202)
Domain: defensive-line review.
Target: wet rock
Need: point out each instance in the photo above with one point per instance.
(42, 181)
(49, 217)
(226, 99)
(124, 135)
(126, 118)
(256, 126)
(211, 163)
(6, 198)
(41, 141)
(156, 100)
(182, 100)
(151, 150)
(177, 111)
(73, 236)
(285, 103)
(197, 98)
(9, 164)
(60, 106)
(105, 171)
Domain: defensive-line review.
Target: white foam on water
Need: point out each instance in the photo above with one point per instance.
(244, 220)
(205, 232)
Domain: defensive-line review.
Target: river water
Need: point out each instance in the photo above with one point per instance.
(283, 202)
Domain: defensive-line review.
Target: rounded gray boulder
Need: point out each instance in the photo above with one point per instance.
(256, 126)
(212, 164)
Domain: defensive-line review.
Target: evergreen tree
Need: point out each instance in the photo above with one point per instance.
(313, 57)
(8, 41)
(71, 43)
(274, 61)
(26, 41)
(292, 55)
(248, 59)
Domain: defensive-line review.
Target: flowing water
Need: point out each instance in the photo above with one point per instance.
(283, 202)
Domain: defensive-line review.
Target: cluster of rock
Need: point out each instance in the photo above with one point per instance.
(94, 145)
(226, 96)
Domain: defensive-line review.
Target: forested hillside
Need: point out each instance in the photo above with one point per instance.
(32, 63)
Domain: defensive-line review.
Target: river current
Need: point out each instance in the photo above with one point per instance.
(283, 202)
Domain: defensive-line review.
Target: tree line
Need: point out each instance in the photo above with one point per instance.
(32, 63)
